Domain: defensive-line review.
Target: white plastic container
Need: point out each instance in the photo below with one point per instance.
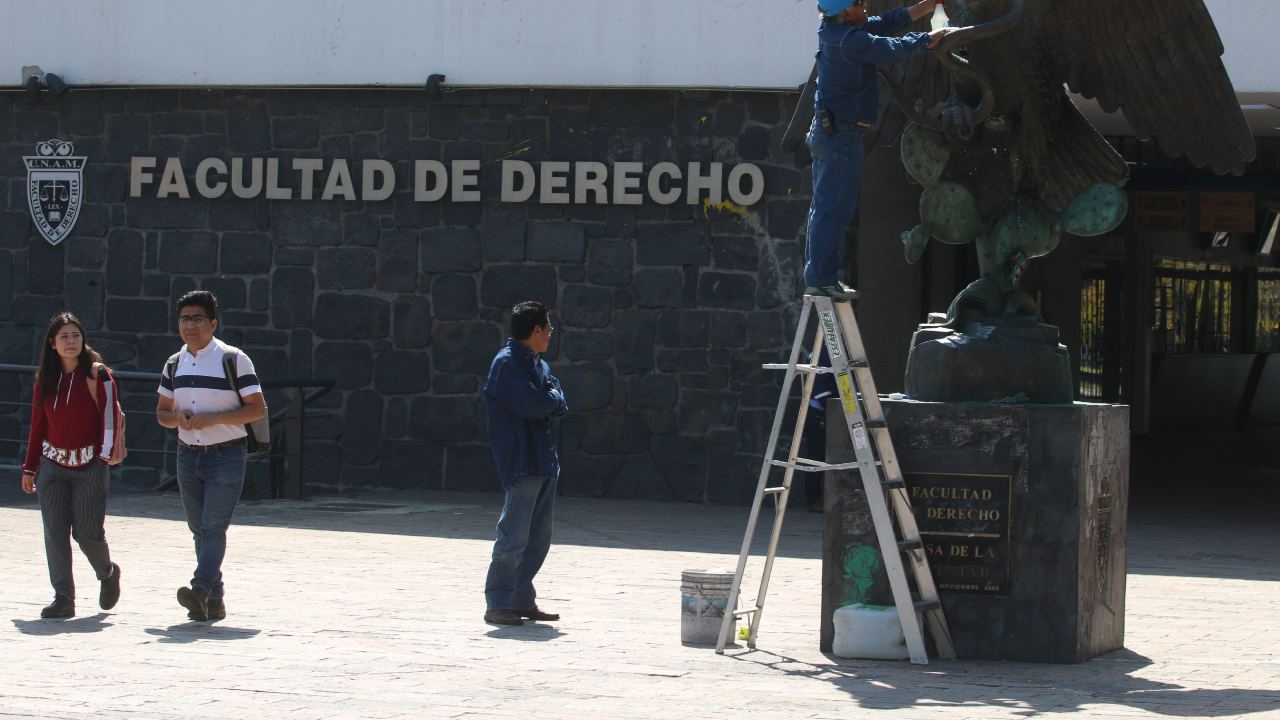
(704, 597)
(939, 19)
(873, 632)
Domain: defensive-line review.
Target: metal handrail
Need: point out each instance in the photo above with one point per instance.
(288, 427)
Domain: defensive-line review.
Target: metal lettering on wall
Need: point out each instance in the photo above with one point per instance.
(964, 521)
(548, 183)
(55, 188)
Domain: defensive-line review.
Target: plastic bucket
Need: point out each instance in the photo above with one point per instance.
(704, 598)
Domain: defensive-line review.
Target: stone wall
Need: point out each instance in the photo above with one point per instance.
(663, 313)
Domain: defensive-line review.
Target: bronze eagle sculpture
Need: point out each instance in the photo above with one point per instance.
(1008, 162)
(1006, 158)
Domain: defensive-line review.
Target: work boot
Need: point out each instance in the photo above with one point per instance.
(196, 601)
(61, 607)
(837, 292)
(538, 615)
(217, 610)
(502, 616)
(110, 593)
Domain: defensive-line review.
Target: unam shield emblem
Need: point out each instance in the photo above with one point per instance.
(55, 188)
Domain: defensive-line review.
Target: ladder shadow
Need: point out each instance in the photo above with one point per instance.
(1024, 688)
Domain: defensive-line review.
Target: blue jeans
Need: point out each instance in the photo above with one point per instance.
(837, 175)
(524, 537)
(210, 483)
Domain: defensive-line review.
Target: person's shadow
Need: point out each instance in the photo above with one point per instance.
(529, 632)
(193, 631)
(89, 624)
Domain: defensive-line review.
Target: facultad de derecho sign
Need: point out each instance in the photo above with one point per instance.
(374, 180)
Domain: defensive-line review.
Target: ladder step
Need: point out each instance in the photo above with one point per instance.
(775, 490)
(893, 483)
(927, 605)
(744, 611)
(909, 545)
(858, 364)
(812, 466)
(811, 369)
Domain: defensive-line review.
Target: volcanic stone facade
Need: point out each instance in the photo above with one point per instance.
(663, 313)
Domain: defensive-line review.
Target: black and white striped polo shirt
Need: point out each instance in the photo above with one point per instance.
(200, 385)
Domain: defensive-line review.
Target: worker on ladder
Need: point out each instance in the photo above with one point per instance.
(850, 45)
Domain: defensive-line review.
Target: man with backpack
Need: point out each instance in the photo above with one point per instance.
(209, 401)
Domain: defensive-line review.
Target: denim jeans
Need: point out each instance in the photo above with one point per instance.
(210, 483)
(523, 539)
(837, 174)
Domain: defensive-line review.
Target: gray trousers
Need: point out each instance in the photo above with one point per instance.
(73, 503)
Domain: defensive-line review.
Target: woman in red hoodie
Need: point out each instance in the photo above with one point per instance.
(74, 419)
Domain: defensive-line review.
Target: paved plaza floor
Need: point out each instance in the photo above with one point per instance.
(370, 607)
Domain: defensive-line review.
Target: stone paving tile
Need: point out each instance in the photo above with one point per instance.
(370, 608)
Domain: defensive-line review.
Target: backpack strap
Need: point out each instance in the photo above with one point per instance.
(230, 360)
(171, 369)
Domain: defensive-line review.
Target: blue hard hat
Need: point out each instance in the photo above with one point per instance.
(833, 7)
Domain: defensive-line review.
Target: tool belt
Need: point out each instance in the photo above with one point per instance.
(215, 446)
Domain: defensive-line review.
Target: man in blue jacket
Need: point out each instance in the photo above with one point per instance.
(521, 398)
(850, 45)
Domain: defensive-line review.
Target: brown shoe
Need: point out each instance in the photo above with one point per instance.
(538, 615)
(217, 610)
(502, 616)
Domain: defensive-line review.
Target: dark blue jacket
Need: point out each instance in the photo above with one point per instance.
(521, 397)
(847, 58)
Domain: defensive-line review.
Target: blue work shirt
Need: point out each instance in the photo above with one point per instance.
(521, 397)
(847, 58)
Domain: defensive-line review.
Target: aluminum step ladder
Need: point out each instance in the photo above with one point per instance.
(876, 462)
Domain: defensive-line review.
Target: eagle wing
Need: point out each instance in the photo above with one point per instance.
(1160, 63)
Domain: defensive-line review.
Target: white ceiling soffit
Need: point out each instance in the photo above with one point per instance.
(766, 44)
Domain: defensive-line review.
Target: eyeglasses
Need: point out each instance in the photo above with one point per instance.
(192, 320)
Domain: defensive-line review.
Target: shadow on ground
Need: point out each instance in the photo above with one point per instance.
(1106, 680)
(1217, 533)
(529, 632)
(70, 626)
(191, 632)
(631, 523)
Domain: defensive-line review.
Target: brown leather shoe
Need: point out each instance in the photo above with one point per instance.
(217, 610)
(538, 615)
(502, 616)
(196, 601)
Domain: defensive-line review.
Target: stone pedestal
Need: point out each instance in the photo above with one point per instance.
(996, 360)
(1022, 509)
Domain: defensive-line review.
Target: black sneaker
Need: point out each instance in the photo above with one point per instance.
(196, 601)
(110, 593)
(502, 616)
(61, 607)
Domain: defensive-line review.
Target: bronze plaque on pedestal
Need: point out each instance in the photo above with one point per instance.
(964, 522)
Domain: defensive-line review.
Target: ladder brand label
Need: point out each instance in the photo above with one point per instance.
(846, 394)
(833, 338)
(859, 436)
